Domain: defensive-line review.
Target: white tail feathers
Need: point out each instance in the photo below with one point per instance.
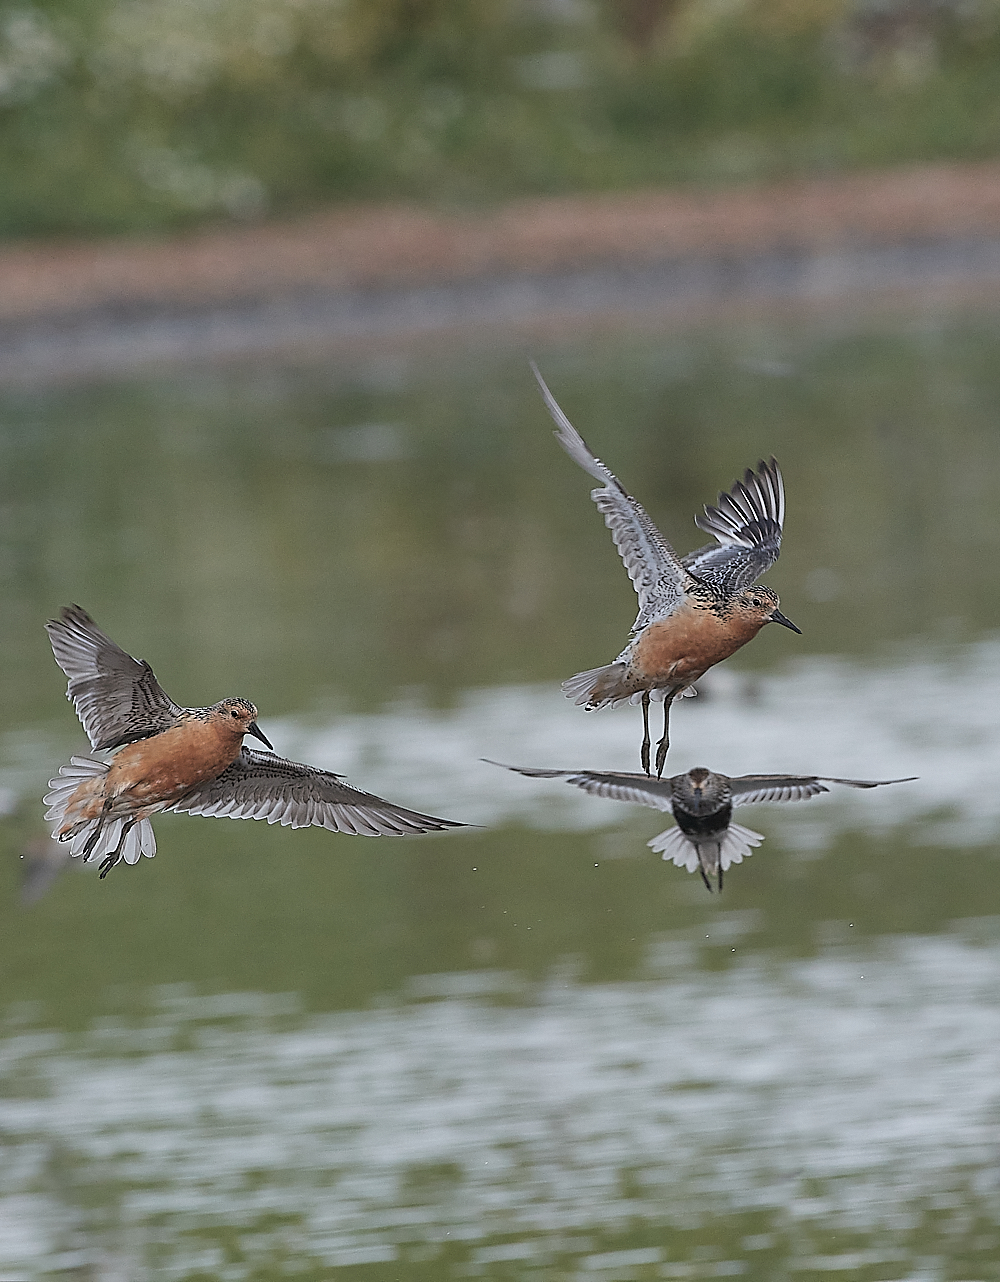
(675, 847)
(597, 687)
(737, 845)
(140, 839)
(602, 688)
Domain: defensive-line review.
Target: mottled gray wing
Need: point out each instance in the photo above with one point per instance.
(654, 567)
(117, 698)
(261, 785)
(747, 524)
(749, 788)
(619, 786)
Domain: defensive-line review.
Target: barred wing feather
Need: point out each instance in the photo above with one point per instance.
(261, 785)
(747, 524)
(750, 788)
(117, 698)
(656, 571)
(618, 786)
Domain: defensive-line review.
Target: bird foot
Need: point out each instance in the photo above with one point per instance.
(109, 863)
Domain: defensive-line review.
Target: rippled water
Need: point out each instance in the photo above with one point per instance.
(758, 1117)
(530, 1050)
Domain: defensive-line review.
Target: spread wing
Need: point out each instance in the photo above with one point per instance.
(261, 785)
(619, 786)
(749, 788)
(656, 571)
(117, 698)
(747, 524)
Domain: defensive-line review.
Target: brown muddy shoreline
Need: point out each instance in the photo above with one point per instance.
(72, 309)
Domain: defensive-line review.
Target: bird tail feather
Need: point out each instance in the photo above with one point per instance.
(673, 846)
(139, 841)
(736, 845)
(597, 687)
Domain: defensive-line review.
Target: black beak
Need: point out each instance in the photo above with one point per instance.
(254, 729)
(778, 617)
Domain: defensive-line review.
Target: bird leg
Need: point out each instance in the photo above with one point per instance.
(644, 753)
(664, 744)
(116, 855)
(704, 876)
(92, 840)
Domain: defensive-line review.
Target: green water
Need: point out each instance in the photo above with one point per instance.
(269, 1053)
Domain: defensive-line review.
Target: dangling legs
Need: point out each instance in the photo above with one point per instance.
(664, 744)
(92, 840)
(704, 875)
(644, 755)
(116, 855)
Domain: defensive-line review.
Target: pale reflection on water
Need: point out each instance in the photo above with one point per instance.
(846, 1095)
(931, 714)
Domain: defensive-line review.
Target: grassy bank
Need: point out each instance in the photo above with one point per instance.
(134, 115)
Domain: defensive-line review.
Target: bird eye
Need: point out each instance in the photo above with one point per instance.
(234, 713)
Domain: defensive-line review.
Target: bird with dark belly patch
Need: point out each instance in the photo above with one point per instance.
(165, 757)
(694, 611)
(701, 801)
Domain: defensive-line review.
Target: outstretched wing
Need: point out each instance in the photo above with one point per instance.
(117, 698)
(619, 786)
(749, 788)
(747, 524)
(654, 567)
(261, 785)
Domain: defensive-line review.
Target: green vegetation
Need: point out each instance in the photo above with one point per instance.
(120, 115)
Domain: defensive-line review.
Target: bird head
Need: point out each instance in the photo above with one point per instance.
(762, 603)
(701, 791)
(241, 717)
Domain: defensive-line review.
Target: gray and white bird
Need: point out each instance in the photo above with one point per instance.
(705, 839)
(165, 757)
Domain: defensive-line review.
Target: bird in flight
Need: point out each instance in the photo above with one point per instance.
(192, 760)
(694, 611)
(701, 801)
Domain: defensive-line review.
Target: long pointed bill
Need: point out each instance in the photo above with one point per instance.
(778, 617)
(254, 729)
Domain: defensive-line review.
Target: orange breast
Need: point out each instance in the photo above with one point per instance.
(689, 643)
(170, 764)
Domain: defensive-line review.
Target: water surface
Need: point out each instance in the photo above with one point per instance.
(531, 1049)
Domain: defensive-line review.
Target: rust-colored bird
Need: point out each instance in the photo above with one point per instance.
(694, 611)
(701, 802)
(192, 760)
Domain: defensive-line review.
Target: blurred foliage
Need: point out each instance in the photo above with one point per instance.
(137, 114)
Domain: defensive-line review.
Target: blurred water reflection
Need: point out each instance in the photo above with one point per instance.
(726, 1127)
(532, 1049)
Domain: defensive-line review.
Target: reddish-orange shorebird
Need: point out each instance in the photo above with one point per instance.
(192, 760)
(694, 611)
